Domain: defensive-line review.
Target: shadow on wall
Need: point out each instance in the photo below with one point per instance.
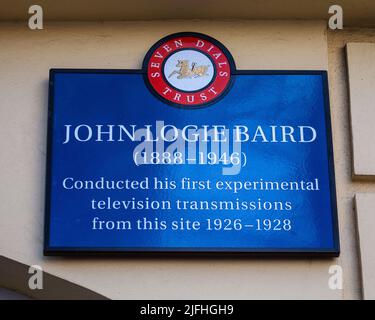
(14, 276)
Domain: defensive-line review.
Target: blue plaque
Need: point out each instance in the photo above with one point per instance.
(247, 169)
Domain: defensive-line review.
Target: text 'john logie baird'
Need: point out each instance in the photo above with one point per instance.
(189, 133)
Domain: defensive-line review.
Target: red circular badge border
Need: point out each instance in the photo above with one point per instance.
(216, 43)
(217, 85)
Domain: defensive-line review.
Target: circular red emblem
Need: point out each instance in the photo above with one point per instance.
(188, 69)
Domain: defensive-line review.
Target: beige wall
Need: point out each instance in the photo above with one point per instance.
(25, 58)
(347, 185)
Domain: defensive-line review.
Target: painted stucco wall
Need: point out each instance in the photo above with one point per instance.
(25, 58)
(347, 184)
